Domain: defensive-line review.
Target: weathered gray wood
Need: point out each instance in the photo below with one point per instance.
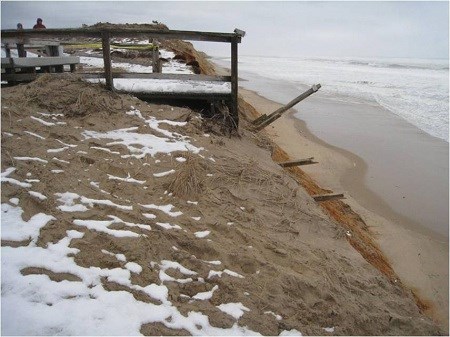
(298, 162)
(30, 42)
(119, 32)
(21, 50)
(53, 51)
(155, 60)
(325, 197)
(261, 118)
(208, 96)
(27, 77)
(278, 113)
(163, 76)
(25, 62)
(106, 48)
(7, 50)
(6, 62)
(234, 83)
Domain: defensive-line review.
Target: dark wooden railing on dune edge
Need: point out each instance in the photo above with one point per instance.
(105, 34)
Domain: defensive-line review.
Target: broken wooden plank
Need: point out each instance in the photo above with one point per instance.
(298, 162)
(278, 113)
(325, 197)
(260, 119)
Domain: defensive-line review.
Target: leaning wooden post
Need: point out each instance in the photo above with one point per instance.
(106, 48)
(265, 120)
(234, 82)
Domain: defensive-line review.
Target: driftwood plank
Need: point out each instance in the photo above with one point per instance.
(325, 197)
(298, 162)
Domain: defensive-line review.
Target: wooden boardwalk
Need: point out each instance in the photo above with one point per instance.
(105, 34)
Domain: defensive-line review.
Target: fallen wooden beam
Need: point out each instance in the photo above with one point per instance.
(262, 121)
(325, 197)
(298, 162)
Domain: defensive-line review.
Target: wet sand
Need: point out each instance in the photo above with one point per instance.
(401, 166)
(418, 255)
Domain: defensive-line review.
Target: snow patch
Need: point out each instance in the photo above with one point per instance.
(236, 310)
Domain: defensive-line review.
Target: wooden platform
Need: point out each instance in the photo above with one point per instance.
(33, 62)
(26, 36)
(23, 69)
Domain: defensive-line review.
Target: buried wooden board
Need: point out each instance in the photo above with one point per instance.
(330, 196)
(298, 162)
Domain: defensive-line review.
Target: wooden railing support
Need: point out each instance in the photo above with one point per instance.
(234, 83)
(106, 48)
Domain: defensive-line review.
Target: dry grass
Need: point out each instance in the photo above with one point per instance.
(234, 172)
(75, 97)
(189, 181)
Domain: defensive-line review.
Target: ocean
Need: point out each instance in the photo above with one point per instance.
(393, 114)
(416, 90)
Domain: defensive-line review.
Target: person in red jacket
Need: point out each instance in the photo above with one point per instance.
(39, 24)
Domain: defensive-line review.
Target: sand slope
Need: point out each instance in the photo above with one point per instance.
(282, 253)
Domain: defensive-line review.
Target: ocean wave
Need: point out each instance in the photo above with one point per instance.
(424, 64)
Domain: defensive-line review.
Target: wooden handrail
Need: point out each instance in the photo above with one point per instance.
(161, 76)
(119, 32)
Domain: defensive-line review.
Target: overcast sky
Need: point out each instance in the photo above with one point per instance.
(324, 29)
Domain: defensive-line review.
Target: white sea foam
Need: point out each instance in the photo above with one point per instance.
(415, 89)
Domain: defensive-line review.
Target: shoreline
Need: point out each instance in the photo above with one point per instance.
(420, 273)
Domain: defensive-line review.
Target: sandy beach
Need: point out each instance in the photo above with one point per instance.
(158, 218)
(419, 256)
(235, 228)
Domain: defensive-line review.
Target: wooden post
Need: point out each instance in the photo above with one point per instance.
(265, 120)
(7, 50)
(106, 48)
(155, 62)
(234, 83)
(53, 51)
(12, 69)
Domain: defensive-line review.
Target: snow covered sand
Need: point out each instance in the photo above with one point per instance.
(109, 239)
(157, 85)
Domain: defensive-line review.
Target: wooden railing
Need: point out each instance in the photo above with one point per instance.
(105, 34)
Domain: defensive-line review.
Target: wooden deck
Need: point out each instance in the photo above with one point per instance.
(105, 34)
